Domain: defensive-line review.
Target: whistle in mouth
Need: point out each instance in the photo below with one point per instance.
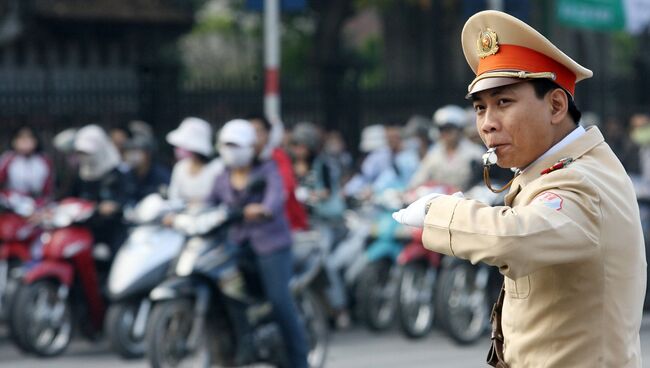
(490, 157)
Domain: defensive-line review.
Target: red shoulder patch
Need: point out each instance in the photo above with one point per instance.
(549, 199)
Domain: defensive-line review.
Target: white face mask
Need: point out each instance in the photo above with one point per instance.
(235, 156)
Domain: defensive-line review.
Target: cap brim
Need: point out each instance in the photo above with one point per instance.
(489, 83)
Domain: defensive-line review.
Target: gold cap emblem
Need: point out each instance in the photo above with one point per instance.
(487, 43)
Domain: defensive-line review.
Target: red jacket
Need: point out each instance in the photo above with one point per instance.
(295, 211)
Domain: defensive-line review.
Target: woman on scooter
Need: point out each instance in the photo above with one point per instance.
(265, 227)
(25, 168)
(319, 177)
(100, 180)
(195, 171)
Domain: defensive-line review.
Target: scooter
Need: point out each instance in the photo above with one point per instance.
(140, 264)
(420, 268)
(190, 322)
(18, 236)
(62, 289)
(376, 291)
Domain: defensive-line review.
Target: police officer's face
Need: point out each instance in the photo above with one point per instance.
(515, 121)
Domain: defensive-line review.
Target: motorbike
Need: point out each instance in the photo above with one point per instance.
(62, 289)
(378, 282)
(18, 238)
(139, 265)
(466, 292)
(420, 268)
(190, 323)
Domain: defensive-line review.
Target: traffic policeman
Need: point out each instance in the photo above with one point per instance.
(568, 239)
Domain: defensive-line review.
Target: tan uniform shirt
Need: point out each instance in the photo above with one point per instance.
(570, 246)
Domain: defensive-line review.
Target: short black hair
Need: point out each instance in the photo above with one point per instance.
(543, 85)
(259, 116)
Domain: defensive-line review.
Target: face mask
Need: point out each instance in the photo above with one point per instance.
(181, 153)
(235, 157)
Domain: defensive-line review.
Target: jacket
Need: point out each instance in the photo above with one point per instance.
(570, 246)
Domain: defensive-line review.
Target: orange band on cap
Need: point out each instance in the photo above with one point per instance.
(513, 57)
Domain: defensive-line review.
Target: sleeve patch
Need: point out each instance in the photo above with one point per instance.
(550, 200)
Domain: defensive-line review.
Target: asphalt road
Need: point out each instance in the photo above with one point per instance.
(356, 348)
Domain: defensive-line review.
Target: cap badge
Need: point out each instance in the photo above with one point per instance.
(487, 43)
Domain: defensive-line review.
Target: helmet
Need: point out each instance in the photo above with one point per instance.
(194, 135)
(239, 132)
(307, 134)
(373, 137)
(64, 140)
(450, 115)
(236, 143)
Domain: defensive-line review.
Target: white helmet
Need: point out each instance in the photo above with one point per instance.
(236, 143)
(373, 137)
(239, 132)
(194, 135)
(450, 115)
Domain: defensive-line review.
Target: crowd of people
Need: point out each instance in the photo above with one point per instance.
(309, 174)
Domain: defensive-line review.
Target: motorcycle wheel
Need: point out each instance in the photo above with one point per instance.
(167, 335)
(120, 320)
(315, 322)
(376, 295)
(464, 301)
(416, 308)
(42, 321)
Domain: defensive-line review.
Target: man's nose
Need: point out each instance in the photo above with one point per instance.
(489, 121)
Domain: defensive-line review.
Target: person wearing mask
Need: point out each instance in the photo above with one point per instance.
(319, 178)
(265, 234)
(99, 180)
(335, 148)
(294, 210)
(194, 172)
(150, 175)
(25, 168)
(317, 174)
(452, 158)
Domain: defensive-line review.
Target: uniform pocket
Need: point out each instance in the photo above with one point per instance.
(519, 288)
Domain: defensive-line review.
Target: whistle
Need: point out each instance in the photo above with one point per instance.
(490, 157)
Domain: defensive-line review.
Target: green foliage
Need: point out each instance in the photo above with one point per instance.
(624, 50)
(373, 72)
(297, 39)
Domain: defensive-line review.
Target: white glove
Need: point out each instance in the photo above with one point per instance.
(414, 214)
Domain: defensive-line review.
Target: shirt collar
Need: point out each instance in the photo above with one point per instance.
(575, 134)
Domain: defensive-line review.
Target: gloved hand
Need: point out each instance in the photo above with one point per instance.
(414, 214)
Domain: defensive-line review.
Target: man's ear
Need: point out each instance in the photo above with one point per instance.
(559, 105)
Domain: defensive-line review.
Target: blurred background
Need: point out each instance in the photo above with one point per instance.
(345, 64)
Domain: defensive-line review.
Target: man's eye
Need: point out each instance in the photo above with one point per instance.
(478, 108)
(503, 101)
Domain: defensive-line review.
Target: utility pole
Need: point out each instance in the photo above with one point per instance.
(272, 60)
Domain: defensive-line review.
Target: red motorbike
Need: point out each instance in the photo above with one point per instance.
(63, 288)
(17, 235)
(419, 274)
